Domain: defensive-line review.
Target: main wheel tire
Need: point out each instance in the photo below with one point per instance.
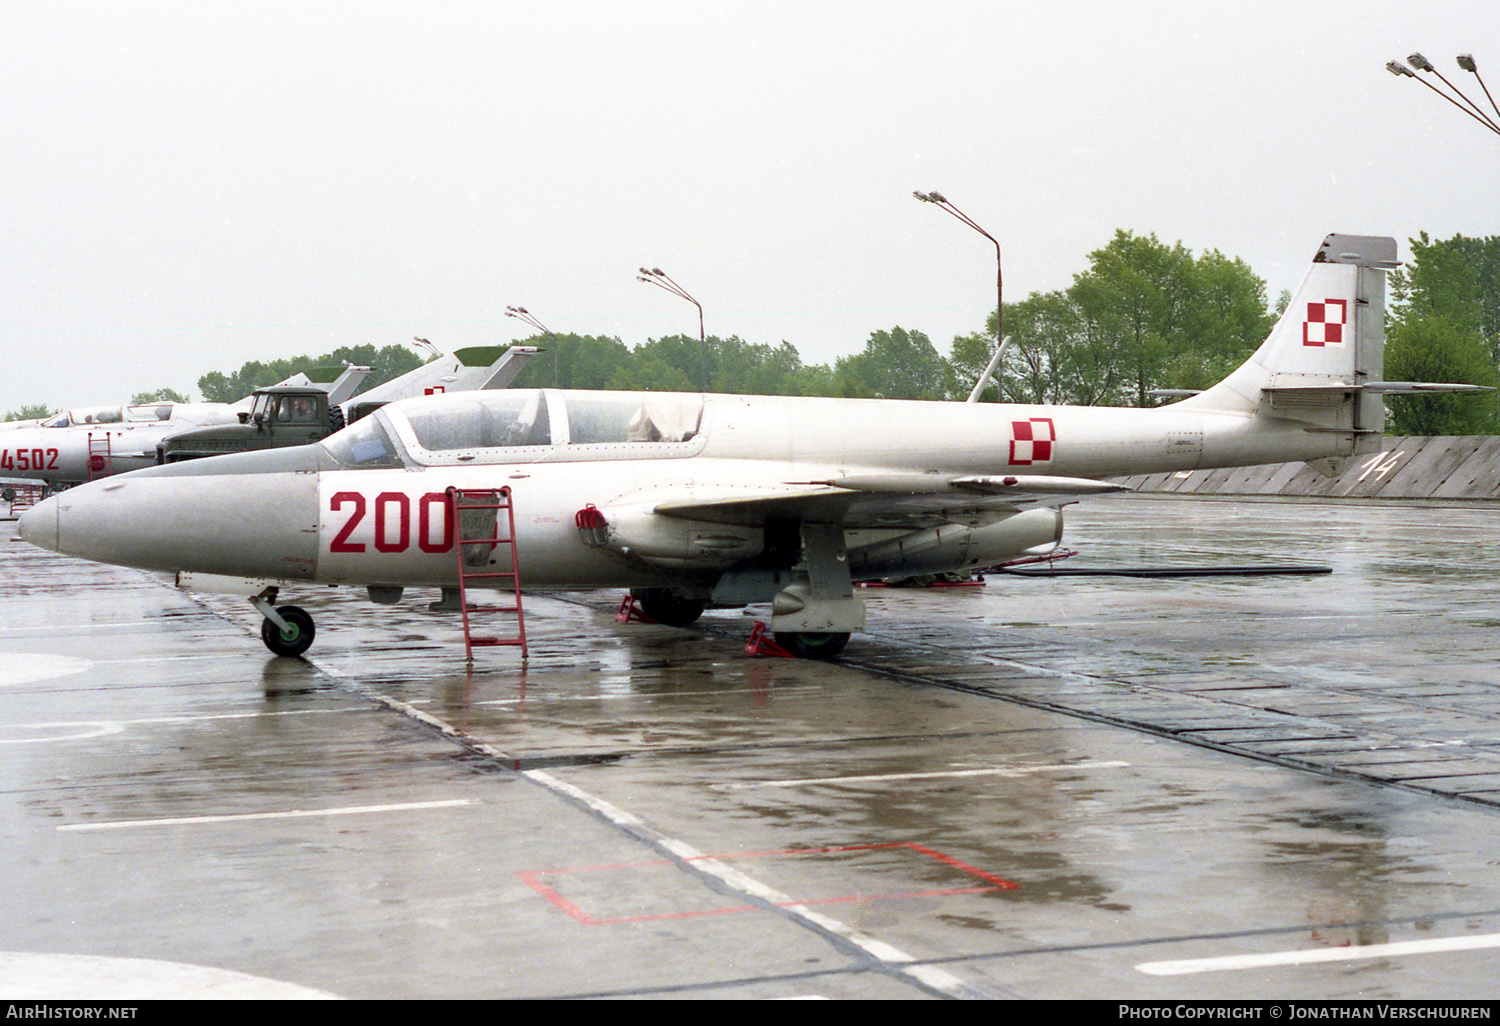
(665, 606)
(296, 642)
(813, 646)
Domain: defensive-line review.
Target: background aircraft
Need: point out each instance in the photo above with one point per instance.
(97, 441)
(693, 499)
(83, 444)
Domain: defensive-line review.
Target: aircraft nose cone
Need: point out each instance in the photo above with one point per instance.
(253, 525)
(38, 525)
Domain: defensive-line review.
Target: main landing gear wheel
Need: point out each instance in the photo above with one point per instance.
(813, 646)
(292, 643)
(665, 607)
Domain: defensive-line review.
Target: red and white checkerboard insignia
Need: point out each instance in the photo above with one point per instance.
(1325, 322)
(1031, 441)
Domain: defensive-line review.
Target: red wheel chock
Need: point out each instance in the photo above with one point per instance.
(761, 644)
(630, 612)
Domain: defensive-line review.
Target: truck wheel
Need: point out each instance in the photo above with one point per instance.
(296, 642)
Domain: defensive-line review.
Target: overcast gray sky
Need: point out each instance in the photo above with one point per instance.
(187, 186)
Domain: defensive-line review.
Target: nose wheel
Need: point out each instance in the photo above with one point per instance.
(293, 636)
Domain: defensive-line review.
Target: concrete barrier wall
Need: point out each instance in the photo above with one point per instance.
(1441, 467)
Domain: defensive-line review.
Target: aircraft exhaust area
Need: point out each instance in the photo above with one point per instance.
(1254, 787)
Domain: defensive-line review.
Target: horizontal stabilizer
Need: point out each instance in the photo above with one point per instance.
(1337, 390)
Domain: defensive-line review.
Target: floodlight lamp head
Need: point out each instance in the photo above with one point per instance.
(1420, 63)
(937, 197)
(1466, 62)
(1398, 69)
(644, 270)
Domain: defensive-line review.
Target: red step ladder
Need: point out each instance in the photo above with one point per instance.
(460, 501)
(100, 458)
(26, 496)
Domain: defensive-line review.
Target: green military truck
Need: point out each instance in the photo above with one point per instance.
(279, 416)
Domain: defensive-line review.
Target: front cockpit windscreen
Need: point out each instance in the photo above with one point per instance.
(88, 415)
(364, 444)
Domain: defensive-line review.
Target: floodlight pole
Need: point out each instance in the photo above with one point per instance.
(656, 276)
(941, 202)
(1421, 63)
(1401, 70)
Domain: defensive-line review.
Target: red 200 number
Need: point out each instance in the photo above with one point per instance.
(394, 530)
(28, 459)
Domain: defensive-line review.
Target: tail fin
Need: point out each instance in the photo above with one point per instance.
(1327, 347)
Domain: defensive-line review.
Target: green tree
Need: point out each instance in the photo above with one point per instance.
(161, 395)
(896, 364)
(31, 411)
(1437, 348)
(1458, 278)
(573, 361)
(385, 363)
(1134, 295)
(1143, 316)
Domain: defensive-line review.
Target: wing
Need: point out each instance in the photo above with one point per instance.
(880, 500)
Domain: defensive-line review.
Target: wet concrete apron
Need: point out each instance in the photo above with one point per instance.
(987, 797)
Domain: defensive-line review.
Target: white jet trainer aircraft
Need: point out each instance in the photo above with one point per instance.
(693, 500)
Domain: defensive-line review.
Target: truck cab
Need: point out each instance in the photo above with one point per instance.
(279, 416)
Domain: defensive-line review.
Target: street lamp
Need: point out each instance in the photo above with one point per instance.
(941, 201)
(656, 276)
(1466, 62)
(520, 313)
(1467, 106)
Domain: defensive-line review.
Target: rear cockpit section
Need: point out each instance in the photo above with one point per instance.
(522, 426)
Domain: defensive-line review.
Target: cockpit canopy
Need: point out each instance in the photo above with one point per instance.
(510, 425)
(143, 413)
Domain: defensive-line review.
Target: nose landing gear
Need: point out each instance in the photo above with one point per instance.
(286, 630)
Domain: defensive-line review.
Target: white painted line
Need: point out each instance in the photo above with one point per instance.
(70, 979)
(84, 729)
(30, 667)
(933, 976)
(780, 691)
(81, 730)
(1183, 967)
(994, 771)
(348, 810)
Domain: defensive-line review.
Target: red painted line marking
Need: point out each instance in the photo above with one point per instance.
(532, 878)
